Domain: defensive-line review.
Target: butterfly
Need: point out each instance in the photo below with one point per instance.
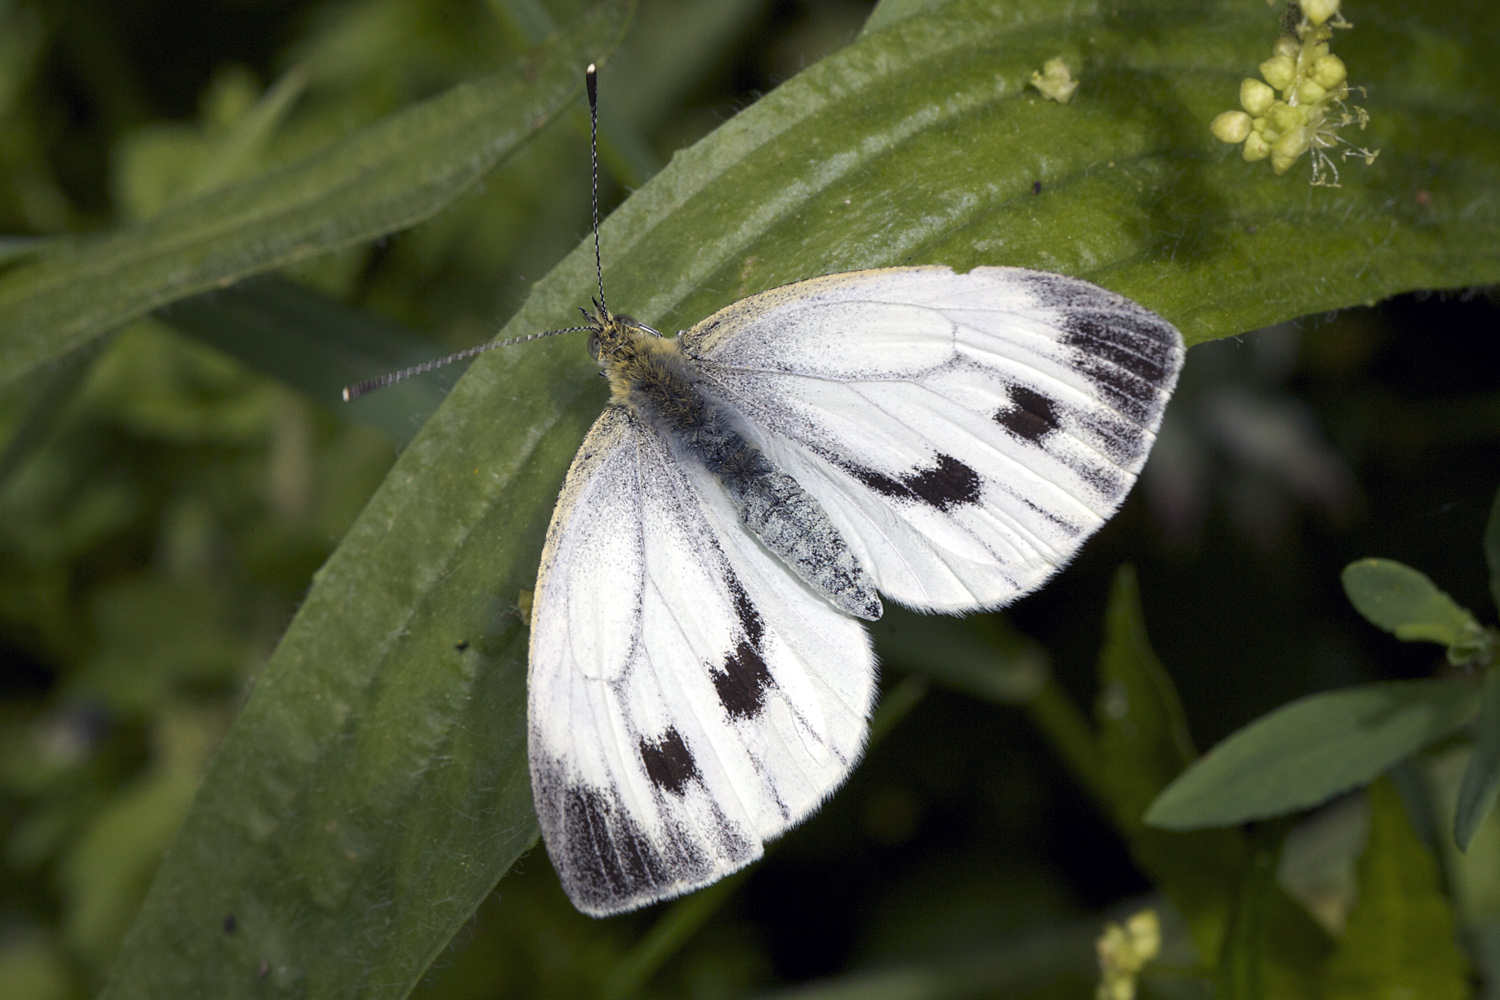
(700, 677)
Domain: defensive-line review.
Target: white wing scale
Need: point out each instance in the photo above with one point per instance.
(689, 698)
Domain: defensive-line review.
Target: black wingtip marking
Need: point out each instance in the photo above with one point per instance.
(1128, 352)
(609, 862)
(608, 858)
(669, 763)
(1123, 339)
(1030, 416)
(944, 486)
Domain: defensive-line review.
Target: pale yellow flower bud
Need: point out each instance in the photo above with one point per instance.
(1285, 118)
(1293, 143)
(1144, 929)
(1231, 127)
(1329, 71)
(1308, 92)
(1286, 150)
(1318, 11)
(1256, 97)
(1256, 148)
(1279, 71)
(1287, 46)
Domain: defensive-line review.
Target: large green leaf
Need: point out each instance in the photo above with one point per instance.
(1399, 941)
(385, 177)
(1311, 750)
(374, 785)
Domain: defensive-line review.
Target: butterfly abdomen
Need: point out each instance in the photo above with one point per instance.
(653, 377)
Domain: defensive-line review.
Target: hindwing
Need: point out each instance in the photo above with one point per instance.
(689, 697)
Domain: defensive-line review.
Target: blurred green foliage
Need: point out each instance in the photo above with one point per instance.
(170, 488)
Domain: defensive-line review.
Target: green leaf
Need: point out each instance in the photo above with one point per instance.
(1404, 602)
(1481, 781)
(1316, 747)
(33, 968)
(1243, 958)
(1492, 548)
(1143, 734)
(319, 345)
(383, 178)
(888, 12)
(18, 247)
(1143, 745)
(43, 402)
(1399, 941)
(374, 786)
(106, 869)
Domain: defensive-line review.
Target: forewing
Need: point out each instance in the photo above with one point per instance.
(965, 432)
(689, 697)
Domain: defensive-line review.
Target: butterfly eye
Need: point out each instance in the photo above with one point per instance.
(630, 322)
(594, 346)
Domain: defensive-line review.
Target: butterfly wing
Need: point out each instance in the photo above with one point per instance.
(965, 432)
(689, 699)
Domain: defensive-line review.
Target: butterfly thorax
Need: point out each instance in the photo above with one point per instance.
(650, 376)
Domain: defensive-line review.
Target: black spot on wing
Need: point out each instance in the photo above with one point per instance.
(1030, 416)
(742, 681)
(669, 763)
(946, 485)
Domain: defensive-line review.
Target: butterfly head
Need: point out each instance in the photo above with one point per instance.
(628, 351)
(610, 333)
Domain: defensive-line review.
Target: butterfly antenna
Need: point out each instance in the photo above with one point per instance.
(591, 82)
(358, 389)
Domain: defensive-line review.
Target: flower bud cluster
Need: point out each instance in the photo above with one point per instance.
(1298, 104)
(1124, 952)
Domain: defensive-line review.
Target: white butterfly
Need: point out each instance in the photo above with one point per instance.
(699, 680)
